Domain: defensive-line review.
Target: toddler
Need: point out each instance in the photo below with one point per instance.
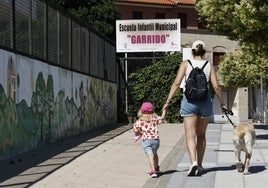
(147, 127)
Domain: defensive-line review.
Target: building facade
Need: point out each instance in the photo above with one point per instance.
(191, 29)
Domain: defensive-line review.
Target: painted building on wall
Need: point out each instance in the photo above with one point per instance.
(41, 103)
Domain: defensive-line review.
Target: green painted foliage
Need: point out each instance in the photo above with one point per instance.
(153, 83)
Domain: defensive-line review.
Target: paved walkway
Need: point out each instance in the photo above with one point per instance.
(220, 170)
(110, 159)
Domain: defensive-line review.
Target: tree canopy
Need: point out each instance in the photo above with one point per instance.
(246, 22)
(99, 14)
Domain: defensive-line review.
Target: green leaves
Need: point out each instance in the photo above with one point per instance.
(244, 67)
(100, 15)
(153, 83)
(246, 22)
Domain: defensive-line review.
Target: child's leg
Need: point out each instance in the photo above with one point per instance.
(150, 148)
(153, 161)
(154, 172)
(156, 161)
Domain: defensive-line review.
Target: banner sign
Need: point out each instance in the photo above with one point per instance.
(148, 35)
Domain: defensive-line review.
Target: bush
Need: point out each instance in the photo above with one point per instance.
(153, 83)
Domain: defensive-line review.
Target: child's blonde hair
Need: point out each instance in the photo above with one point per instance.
(147, 117)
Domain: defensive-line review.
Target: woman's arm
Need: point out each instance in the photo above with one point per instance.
(217, 88)
(175, 85)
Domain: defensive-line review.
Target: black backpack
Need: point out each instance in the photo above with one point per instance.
(196, 84)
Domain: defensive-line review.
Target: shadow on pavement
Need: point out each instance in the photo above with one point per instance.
(27, 168)
(219, 168)
(167, 172)
(252, 169)
(256, 169)
(262, 137)
(265, 127)
(223, 150)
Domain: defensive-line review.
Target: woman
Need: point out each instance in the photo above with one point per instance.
(196, 114)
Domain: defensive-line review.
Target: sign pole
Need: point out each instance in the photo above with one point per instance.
(126, 78)
(262, 101)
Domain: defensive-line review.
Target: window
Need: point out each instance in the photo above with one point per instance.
(217, 58)
(183, 18)
(137, 15)
(159, 15)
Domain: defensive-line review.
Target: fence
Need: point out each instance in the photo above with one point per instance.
(58, 77)
(39, 30)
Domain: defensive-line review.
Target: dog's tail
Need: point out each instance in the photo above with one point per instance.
(239, 132)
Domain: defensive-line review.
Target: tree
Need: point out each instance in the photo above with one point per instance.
(152, 83)
(38, 103)
(100, 14)
(245, 21)
(49, 105)
(244, 67)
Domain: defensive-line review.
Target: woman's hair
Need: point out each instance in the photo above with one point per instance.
(199, 50)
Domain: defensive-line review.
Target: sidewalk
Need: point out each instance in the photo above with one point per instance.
(113, 160)
(220, 170)
(118, 163)
(30, 167)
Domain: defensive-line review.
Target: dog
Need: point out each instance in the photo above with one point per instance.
(243, 138)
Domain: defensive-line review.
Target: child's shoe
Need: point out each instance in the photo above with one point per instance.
(153, 174)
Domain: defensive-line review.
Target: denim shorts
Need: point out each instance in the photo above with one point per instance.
(199, 108)
(151, 146)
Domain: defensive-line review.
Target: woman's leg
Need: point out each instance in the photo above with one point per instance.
(190, 132)
(201, 128)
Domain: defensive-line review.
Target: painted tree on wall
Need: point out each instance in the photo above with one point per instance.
(6, 124)
(38, 102)
(49, 105)
(82, 108)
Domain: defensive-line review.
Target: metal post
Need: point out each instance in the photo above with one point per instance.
(262, 101)
(126, 75)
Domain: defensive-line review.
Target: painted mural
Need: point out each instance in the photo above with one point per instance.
(40, 103)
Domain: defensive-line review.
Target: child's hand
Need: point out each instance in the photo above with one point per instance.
(164, 110)
(137, 136)
(163, 116)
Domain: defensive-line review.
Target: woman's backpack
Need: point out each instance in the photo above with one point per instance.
(196, 84)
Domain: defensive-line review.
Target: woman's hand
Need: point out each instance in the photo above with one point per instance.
(226, 110)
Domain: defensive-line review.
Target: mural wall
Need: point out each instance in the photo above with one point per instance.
(40, 103)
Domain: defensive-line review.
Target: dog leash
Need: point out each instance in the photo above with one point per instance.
(226, 112)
